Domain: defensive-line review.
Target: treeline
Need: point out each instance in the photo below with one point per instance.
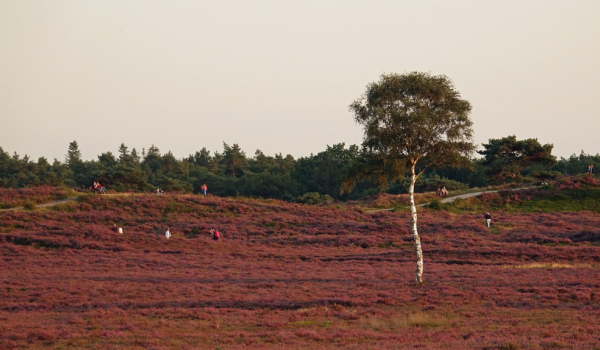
(231, 172)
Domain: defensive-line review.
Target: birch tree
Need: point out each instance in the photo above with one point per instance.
(411, 122)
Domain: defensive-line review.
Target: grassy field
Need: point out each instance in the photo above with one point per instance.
(301, 277)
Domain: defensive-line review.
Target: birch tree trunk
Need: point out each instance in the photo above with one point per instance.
(413, 227)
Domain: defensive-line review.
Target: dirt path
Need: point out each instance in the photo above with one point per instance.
(72, 199)
(49, 204)
(66, 200)
(446, 200)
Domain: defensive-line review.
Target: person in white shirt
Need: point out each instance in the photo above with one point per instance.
(488, 219)
(168, 234)
(120, 230)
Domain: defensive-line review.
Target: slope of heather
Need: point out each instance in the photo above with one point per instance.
(10, 197)
(294, 276)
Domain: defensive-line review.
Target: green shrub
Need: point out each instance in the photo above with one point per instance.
(546, 175)
(327, 199)
(314, 198)
(28, 204)
(561, 197)
(435, 182)
(435, 204)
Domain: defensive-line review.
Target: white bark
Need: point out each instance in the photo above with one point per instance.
(413, 227)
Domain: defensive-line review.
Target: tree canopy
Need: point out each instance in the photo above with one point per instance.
(507, 157)
(411, 121)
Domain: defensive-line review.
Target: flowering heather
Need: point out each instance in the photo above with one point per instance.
(15, 197)
(294, 276)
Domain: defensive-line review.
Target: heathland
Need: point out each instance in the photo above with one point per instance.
(291, 275)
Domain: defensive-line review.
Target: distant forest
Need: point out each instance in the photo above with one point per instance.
(232, 173)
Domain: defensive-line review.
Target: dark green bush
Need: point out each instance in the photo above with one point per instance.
(546, 175)
(435, 204)
(315, 198)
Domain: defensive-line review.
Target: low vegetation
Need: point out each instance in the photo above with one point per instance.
(297, 275)
(29, 197)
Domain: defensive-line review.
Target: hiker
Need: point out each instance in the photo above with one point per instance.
(114, 228)
(215, 235)
(444, 191)
(592, 169)
(120, 230)
(438, 192)
(203, 188)
(168, 233)
(488, 219)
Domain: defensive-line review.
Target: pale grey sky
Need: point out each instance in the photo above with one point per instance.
(279, 75)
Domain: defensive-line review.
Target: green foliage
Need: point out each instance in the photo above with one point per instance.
(278, 176)
(507, 157)
(324, 172)
(577, 164)
(558, 204)
(545, 175)
(73, 157)
(549, 200)
(28, 204)
(432, 183)
(234, 159)
(315, 198)
(435, 204)
(410, 120)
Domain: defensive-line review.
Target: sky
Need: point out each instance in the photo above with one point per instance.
(279, 75)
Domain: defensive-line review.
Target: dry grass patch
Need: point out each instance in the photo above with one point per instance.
(419, 319)
(551, 266)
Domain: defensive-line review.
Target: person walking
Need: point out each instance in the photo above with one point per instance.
(488, 219)
(204, 189)
(168, 233)
(592, 169)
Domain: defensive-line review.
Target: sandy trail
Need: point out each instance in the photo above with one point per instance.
(445, 200)
(66, 200)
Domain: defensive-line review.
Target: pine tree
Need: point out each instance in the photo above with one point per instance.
(234, 159)
(135, 156)
(73, 156)
(124, 156)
